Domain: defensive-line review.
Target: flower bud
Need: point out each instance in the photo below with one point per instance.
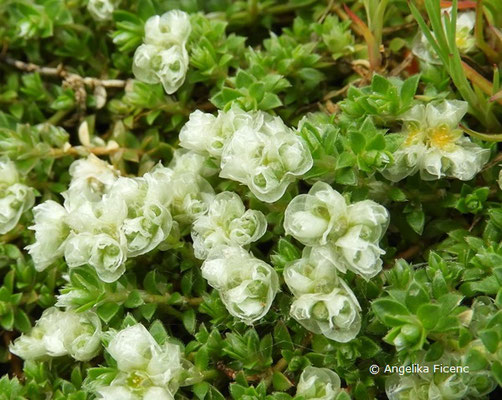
(318, 383)
(246, 284)
(168, 29)
(335, 315)
(226, 223)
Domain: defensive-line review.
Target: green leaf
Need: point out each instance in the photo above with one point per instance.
(200, 390)
(416, 295)
(357, 142)
(7, 320)
(22, 321)
(134, 299)
(280, 382)
(189, 321)
(490, 339)
(416, 220)
(390, 312)
(108, 310)
(201, 358)
(158, 332)
(409, 89)
(148, 310)
(475, 360)
(429, 315)
(497, 371)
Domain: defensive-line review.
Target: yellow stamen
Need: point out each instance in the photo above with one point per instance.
(441, 136)
(412, 137)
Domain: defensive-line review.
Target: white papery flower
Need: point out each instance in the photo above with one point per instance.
(8, 173)
(226, 223)
(266, 157)
(435, 146)
(101, 251)
(15, 198)
(14, 201)
(149, 220)
(246, 284)
(51, 232)
(208, 134)
(102, 10)
(153, 64)
(58, 333)
(170, 28)
(406, 388)
(336, 315)
(345, 237)
(189, 161)
(116, 393)
(464, 38)
(318, 384)
(92, 178)
(373, 216)
(200, 133)
(132, 348)
(313, 273)
(147, 370)
(316, 217)
(192, 195)
(358, 254)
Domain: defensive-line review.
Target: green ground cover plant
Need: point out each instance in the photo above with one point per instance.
(262, 199)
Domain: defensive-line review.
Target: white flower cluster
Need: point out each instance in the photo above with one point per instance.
(59, 333)
(255, 149)
(435, 146)
(163, 57)
(338, 237)
(347, 236)
(247, 285)
(318, 384)
(147, 370)
(15, 198)
(107, 218)
(464, 38)
(323, 304)
(102, 10)
(226, 223)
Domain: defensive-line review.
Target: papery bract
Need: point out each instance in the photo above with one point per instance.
(318, 384)
(246, 284)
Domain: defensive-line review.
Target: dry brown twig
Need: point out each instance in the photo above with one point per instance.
(60, 72)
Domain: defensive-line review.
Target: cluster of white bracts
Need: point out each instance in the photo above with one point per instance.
(106, 218)
(318, 384)
(227, 223)
(346, 236)
(260, 151)
(338, 237)
(102, 10)
(253, 148)
(434, 146)
(59, 333)
(163, 57)
(247, 285)
(147, 370)
(15, 198)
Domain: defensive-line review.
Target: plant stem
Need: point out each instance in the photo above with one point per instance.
(59, 71)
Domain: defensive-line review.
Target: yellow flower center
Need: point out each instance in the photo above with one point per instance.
(441, 136)
(413, 137)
